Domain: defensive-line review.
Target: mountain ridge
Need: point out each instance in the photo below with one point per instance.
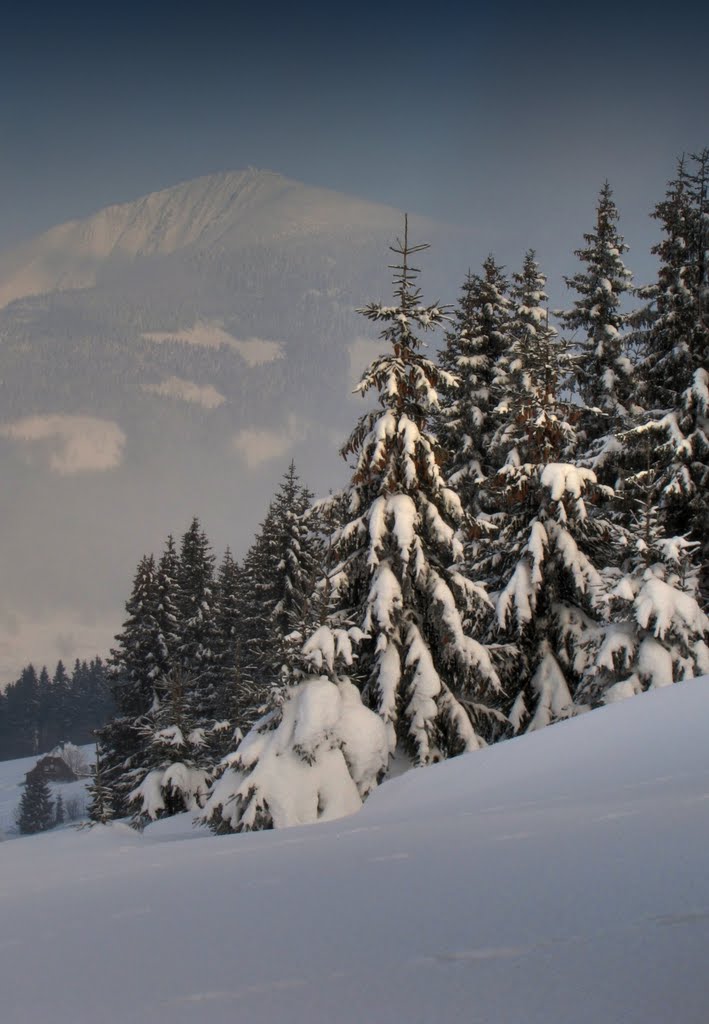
(219, 212)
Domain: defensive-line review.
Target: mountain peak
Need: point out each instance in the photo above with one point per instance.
(222, 212)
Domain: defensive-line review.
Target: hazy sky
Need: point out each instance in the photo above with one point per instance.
(505, 117)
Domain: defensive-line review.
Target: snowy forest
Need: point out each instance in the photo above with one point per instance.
(523, 538)
(38, 711)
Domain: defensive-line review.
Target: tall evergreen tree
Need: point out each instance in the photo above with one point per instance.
(674, 335)
(167, 611)
(276, 584)
(36, 811)
(540, 562)
(24, 712)
(236, 700)
(197, 647)
(603, 373)
(45, 731)
(61, 702)
(474, 347)
(135, 668)
(534, 423)
(101, 809)
(433, 684)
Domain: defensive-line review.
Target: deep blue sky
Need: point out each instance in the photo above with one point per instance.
(505, 119)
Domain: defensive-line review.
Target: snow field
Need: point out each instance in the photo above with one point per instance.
(555, 878)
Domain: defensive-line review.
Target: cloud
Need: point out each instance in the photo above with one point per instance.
(188, 391)
(256, 445)
(76, 444)
(211, 334)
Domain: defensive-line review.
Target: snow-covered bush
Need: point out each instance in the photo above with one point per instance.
(315, 757)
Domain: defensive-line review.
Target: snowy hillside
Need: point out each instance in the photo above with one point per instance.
(559, 878)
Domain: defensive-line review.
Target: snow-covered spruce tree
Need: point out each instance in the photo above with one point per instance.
(314, 756)
(101, 809)
(276, 585)
(603, 368)
(227, 630)
(169, 773)
(171, 777)
(533, 421)
(235, 699)
(674, 336)
(542, 562)
(134, 666)
(36, 810)
(197, 608)
(474, 347)
(167, 611)
(658, 633)
(421, 669)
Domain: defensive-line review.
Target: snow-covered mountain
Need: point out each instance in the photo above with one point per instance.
(220, 213)
(168, 357)
(555, 878)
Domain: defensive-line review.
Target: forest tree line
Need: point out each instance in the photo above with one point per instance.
(39, 711)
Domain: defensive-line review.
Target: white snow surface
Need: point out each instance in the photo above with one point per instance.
(559, 877)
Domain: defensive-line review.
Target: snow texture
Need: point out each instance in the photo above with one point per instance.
(558, 877)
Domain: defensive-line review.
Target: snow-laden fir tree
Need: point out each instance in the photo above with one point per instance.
(422, 668)
(59, 814)
(135, 665)
(551, 599)
(314, 756)
(227, 621)
(657, 632)
(533, 423)
(276, 585)
(604, 372)
(172, 771)
(171, 777)
(676, 333)
(167, 610)
(474, 348)
(101, 809)
(674, 339)
(196, 655)
(236, 700)
(542, 561)
(36, 810)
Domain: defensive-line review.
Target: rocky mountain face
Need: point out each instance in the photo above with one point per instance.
(168, 357)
